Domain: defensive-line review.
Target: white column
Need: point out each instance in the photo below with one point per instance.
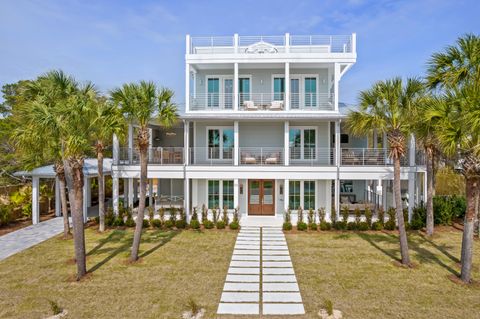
(286, 143)
(88, 199)
(411, 176)
(235, 42)
(130, 193)
(125, 192)
(35, 200)
(287, 86)
(337, 196)
(287, 42)
(336, 81)
(58, 203)
(286, 191)
(86, 190)
(130, 143)
(116, 149)
(236, 142)
(354, 43)
(158, 191)
(194, 196)
(115, 193)
(186, 196)
(235, 87)
(187, 87)
(338, 162)
(150, 192)
(135, 188)
(186, 141)
(384, 194)
(236, 194)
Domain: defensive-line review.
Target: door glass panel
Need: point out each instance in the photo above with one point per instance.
(214, 144)
(268, 193)
(213, 93)
(294, 93)
(228, 143)
(309, 144)
(254, 192)
(278, 89)
(228, 93)
(310, 92)
(295, 137)
(244, 89)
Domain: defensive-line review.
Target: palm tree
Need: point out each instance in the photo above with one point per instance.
(385, 108)
(60, 115)
(107, 120)
(455, 73)
(142, 103)
(424, 129)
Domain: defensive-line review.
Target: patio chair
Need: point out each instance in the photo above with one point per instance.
(250, 106)
(249, 159)
(276, 106)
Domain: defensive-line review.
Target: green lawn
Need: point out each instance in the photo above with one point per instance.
(353, 270)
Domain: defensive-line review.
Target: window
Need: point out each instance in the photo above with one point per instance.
(278, 88)
(213, 194)
(227, 194)
(294, 194)
(302, 143)
(220, 148)
(310, 92)
(309, 194)
(244, 89)
(213, 88)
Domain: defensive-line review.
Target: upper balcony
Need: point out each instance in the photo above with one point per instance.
(265, 47)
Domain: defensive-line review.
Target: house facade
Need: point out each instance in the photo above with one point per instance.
(262, 132)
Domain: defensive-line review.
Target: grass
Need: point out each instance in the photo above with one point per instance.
(357, 272)
(175, 267)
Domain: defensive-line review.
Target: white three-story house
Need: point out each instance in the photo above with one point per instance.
(262, 132)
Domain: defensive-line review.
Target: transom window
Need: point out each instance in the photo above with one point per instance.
(302, 143)
(220, 143)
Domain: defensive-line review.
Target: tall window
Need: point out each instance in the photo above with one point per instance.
(278, 89)
(310, 92)
(244, 89)
(220, 143)
(213, 87)
(227, 194)
(213, 194)
(302, 143)
(294, 194)
(309, 194)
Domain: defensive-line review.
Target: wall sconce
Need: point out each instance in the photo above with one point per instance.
(170, 134)
(261, 82)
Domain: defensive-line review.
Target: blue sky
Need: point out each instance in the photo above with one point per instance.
(112, 42)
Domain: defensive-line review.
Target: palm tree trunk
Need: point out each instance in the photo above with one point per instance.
(143, 147)
(399, 211)
(63, 204)
(101, 187)
(430, 220)
(472, 185)
(74, 178)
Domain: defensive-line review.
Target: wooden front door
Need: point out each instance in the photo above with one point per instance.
(261, 197)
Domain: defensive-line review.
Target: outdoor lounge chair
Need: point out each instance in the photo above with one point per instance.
(249, 106)
(249, 159)
(276, 106)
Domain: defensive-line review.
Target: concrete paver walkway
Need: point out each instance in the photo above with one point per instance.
(261, 279)
(27, 237)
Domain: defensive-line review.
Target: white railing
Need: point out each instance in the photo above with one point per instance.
(211, 101)
(277, 44)
(261, 101)
(306, 156)
(211, 156)
(155, 155)
(312, 101)
(369, 157)
(261, 156)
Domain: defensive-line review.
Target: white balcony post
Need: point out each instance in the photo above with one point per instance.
(130, 193)
(236, 143)
(287, 86)
(187, 87)
(35, 199)
(354, 43)
(116, 149)
(58, 206)
(236, 193)
(150, 193)
(338, 160)
(115, 193)
(186, 141)
(286, 191)
(130, 144)
(86, 198)
(286, 143)
(235, 87)
(235, 42)
(187, 44)
(186, 197)
(411, 150)
(411, 176)
(287, 42)
(336, 82)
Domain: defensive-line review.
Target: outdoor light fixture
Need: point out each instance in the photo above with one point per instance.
(170, 133)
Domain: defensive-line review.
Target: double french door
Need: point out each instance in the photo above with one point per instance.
(261, 197)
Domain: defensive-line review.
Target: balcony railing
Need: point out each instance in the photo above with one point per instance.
(211, 156)
(262, 101)
(305, 156)
(261, 156)
(370, 157)
(272, 44)
(156, 155)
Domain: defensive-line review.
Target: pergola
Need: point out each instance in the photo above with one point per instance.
(90, 170)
